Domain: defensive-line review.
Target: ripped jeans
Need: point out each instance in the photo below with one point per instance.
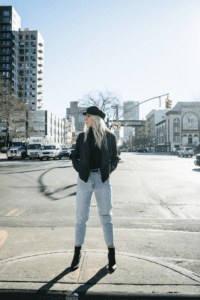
(103, 195)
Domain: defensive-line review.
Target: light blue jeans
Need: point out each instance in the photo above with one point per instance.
(103, 194)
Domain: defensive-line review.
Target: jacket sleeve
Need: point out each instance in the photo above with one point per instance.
(75, 155)
(114, 157)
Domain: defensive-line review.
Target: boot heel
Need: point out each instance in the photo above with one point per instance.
(111, 260)
(76, 259)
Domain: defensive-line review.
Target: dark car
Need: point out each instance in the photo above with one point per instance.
(142, 150)
(197, 160)
(65, 151)
(70, 151)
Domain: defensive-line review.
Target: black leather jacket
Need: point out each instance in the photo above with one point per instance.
(109, 157)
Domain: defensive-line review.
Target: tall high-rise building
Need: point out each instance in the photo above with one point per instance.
(21, 58)
(10, 23)
(130, 113)
(31, 57)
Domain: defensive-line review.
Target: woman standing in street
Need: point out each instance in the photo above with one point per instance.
(94, 158)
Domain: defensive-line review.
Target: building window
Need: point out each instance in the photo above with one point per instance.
(26, 79)
(22, 79)
(33, 58)
(6, 13)
(21, 51)
(27, 37)
(6, 19)
(26, 73)
(26, 65)
(33, 65)
(33, 44)
(26, 58)
(27, 51)
(26, 94)
(27, 44)
(33, 37)
(21, 58)
(26, 87)
(33, 51)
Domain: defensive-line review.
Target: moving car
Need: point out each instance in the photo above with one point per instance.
(174, 151)
(197, 160)
(65, 151)
(51, 151)
(141, 150)
(186, 151)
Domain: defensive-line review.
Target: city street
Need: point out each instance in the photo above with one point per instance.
(156, 208)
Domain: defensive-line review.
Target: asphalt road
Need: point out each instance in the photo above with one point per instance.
(156, 207)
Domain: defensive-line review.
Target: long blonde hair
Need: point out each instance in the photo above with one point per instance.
(99, 128)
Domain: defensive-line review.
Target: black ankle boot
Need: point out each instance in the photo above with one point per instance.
(111, 260)
(77, 257)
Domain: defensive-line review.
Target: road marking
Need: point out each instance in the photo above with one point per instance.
(3, 236)
(20, 212)
(11, 212)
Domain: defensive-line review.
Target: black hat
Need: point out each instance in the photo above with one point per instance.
(94, 110)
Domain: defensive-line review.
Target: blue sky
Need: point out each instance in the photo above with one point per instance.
(137, 48)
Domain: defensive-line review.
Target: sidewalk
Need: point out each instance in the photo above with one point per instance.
(47, 275)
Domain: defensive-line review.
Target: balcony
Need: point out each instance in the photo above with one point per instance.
(40, 99)
(40, 57)
(40, 44)
(40, 106)
(40, 71)
(40, 64)
(40, 50)
(40, 84)
(40, 92)
(40, 78)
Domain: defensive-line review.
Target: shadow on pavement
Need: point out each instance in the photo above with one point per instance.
(43, 187)
(81, 289)
(196, 170)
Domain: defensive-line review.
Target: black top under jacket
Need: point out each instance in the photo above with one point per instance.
(88, 156)
(95, 151)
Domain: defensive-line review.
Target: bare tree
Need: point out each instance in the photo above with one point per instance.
(103, 100)
(13, 112)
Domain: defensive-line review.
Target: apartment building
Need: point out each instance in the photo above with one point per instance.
(76, 111)
(31, 60)
(21, 58)
(10, 23)
(152, 118)
(130, 112)
(45, 123)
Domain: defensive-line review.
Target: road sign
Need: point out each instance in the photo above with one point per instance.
(116, 126)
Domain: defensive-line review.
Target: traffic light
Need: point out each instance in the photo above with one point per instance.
(168, 103)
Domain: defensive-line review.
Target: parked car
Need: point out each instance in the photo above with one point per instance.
(174, 151)
(51, 151)
(65, 151)
(197, 160)
(141, 150)
(186, 151)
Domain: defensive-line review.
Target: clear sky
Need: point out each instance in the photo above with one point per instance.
(137, 48)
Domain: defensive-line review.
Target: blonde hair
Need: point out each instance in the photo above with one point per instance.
(99, 128)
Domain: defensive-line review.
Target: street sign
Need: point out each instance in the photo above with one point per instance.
(116, 126)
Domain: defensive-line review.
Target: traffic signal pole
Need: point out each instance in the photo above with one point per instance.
(136, 106)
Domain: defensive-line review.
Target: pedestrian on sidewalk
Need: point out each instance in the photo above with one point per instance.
(94, 158)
